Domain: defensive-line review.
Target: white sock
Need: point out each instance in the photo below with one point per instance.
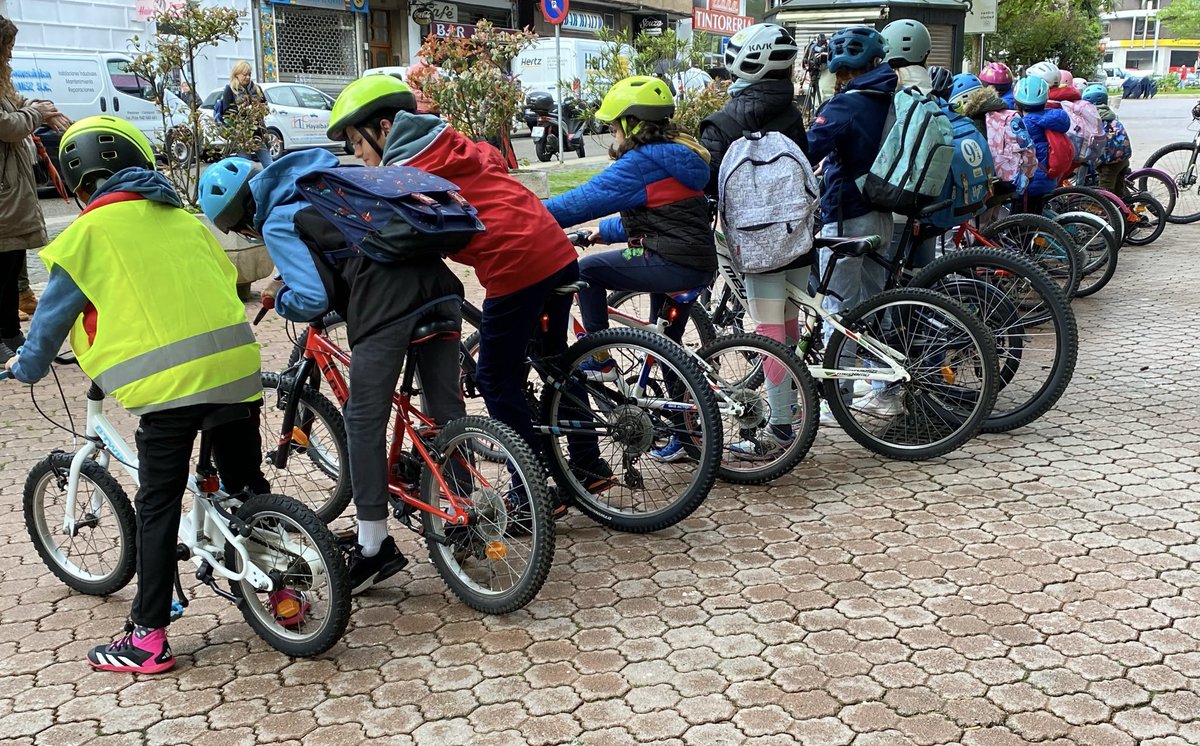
(371, 535)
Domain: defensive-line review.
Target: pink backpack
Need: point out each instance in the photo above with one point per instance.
(1013, 155)
(1087, 130)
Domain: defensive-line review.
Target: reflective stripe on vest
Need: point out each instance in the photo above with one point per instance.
(173, 354)
(244, 389)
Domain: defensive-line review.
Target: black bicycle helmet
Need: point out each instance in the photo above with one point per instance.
(943, 81)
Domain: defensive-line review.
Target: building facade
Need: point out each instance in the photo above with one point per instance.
(1134, 41)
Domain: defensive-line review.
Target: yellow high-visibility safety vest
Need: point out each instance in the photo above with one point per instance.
(170, 331)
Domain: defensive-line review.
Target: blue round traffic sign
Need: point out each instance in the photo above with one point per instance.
(555, 11)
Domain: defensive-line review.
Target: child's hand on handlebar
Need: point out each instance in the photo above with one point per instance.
(594, 238)
(10, 364)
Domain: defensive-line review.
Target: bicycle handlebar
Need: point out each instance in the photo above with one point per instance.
(580, 239)
(5, 374)
(267, 304)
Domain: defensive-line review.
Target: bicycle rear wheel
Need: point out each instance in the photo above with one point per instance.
(636, 303)
(498, 561)
(99, 556)
(317, 448)
(1086, 199)
(1147, 219)
(1044, 242)
(601, 426)
(1180, 162)
(761, 387)
(1037, 339)
(1097, 240)
(307, 611)
(950, 357)
(1158, 184)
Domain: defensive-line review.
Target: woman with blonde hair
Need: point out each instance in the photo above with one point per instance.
(243, 91)
(20, 212)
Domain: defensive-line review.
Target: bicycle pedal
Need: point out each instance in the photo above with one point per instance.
(176, 610)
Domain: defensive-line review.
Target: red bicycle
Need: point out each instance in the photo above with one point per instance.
(485, 521)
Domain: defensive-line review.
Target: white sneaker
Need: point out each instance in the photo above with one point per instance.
(862, 388)
(879, 403)
(826, 414)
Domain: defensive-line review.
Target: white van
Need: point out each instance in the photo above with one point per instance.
(84, 85)
(536, 66)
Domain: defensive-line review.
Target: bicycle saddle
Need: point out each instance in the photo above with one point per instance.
(570, 289)
(225, 415)
(436, 328)
(848, 246)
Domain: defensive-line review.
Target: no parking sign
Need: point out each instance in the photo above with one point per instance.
(555, 11)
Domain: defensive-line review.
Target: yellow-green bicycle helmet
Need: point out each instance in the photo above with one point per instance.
(641, 97)
(100, 146)
(365, 98)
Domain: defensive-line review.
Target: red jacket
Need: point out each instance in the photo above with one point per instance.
(522, 244)
(1063, 93)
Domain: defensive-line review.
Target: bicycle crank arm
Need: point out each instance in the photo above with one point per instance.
(205, 575)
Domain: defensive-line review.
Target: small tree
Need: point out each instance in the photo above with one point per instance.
(1182, 16)
(180, 35)
(475, 93)
(662, 56)
(1030, 30)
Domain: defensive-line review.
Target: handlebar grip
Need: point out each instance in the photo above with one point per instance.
(262, 312)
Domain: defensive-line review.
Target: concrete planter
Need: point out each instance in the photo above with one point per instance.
(537, 182)
(249, 258)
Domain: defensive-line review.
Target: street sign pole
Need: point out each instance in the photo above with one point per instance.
(562, 135)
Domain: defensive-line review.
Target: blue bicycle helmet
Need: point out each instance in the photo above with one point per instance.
(1031, 91)
(225, 193)
(1095, 94)
(855, 48)
(963, 84)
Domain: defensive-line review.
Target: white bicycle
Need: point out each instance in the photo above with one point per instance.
(283, 565)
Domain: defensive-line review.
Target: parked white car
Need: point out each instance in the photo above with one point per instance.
(298, 117)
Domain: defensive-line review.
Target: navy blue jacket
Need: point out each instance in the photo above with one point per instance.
(659, 191)
(849, 130)
(1037, 122)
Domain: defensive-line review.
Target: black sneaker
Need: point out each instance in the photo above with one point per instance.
(6, 353)
(367, 571)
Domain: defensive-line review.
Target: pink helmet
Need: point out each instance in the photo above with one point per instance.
(1066, 79)
(995, 73)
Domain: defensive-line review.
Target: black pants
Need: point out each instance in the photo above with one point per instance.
(164, 443)
(11, 263)
(377, 360)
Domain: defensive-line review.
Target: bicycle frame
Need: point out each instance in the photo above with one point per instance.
(204, 520)
(801, 298)
(320, 351)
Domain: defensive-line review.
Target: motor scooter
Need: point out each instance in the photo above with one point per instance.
(541, 115)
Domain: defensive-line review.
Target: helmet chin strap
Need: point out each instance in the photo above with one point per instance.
(371, 141)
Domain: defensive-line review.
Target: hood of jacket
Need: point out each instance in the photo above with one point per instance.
(981, 101)
(149, 184)
(693, 145)
(1065, 93)
(915, 76)
(1106, 113)
(275, 185)
(881, 78)
(760, 102)
(411, 134)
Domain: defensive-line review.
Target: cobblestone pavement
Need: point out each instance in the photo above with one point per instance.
(1040, 586)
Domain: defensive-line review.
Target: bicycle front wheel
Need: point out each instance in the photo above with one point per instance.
(949, 356)
(1158, 184)
(498, 560)
(636, 303)
(1092, 234)
(631, 429)
(316, 448)
(308, 608)
(1037, 340)
(1147, 219)
(768, 403)
(1180, 162)
(99, 555)
(1045, 243)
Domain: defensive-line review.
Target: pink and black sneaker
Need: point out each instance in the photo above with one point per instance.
(141, 650)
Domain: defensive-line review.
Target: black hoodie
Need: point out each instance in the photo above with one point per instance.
(752, 107)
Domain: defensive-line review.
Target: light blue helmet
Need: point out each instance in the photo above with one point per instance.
(1095, 94)
(1031, 91)
(962, 86)
(225, 193)
(855, 48)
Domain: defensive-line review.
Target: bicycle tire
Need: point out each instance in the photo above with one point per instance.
(701, 323)
(317, 481)
(1044, 242)
(1016, 406)
(1097, 240)
(1187, 204)
(1151, 220)
(1072, 198)
(308, 540)
(746, 391)
(964, 333)
(334, 324)
(44, 529)
(1158, 184)
(496, 526)
(698, 424)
